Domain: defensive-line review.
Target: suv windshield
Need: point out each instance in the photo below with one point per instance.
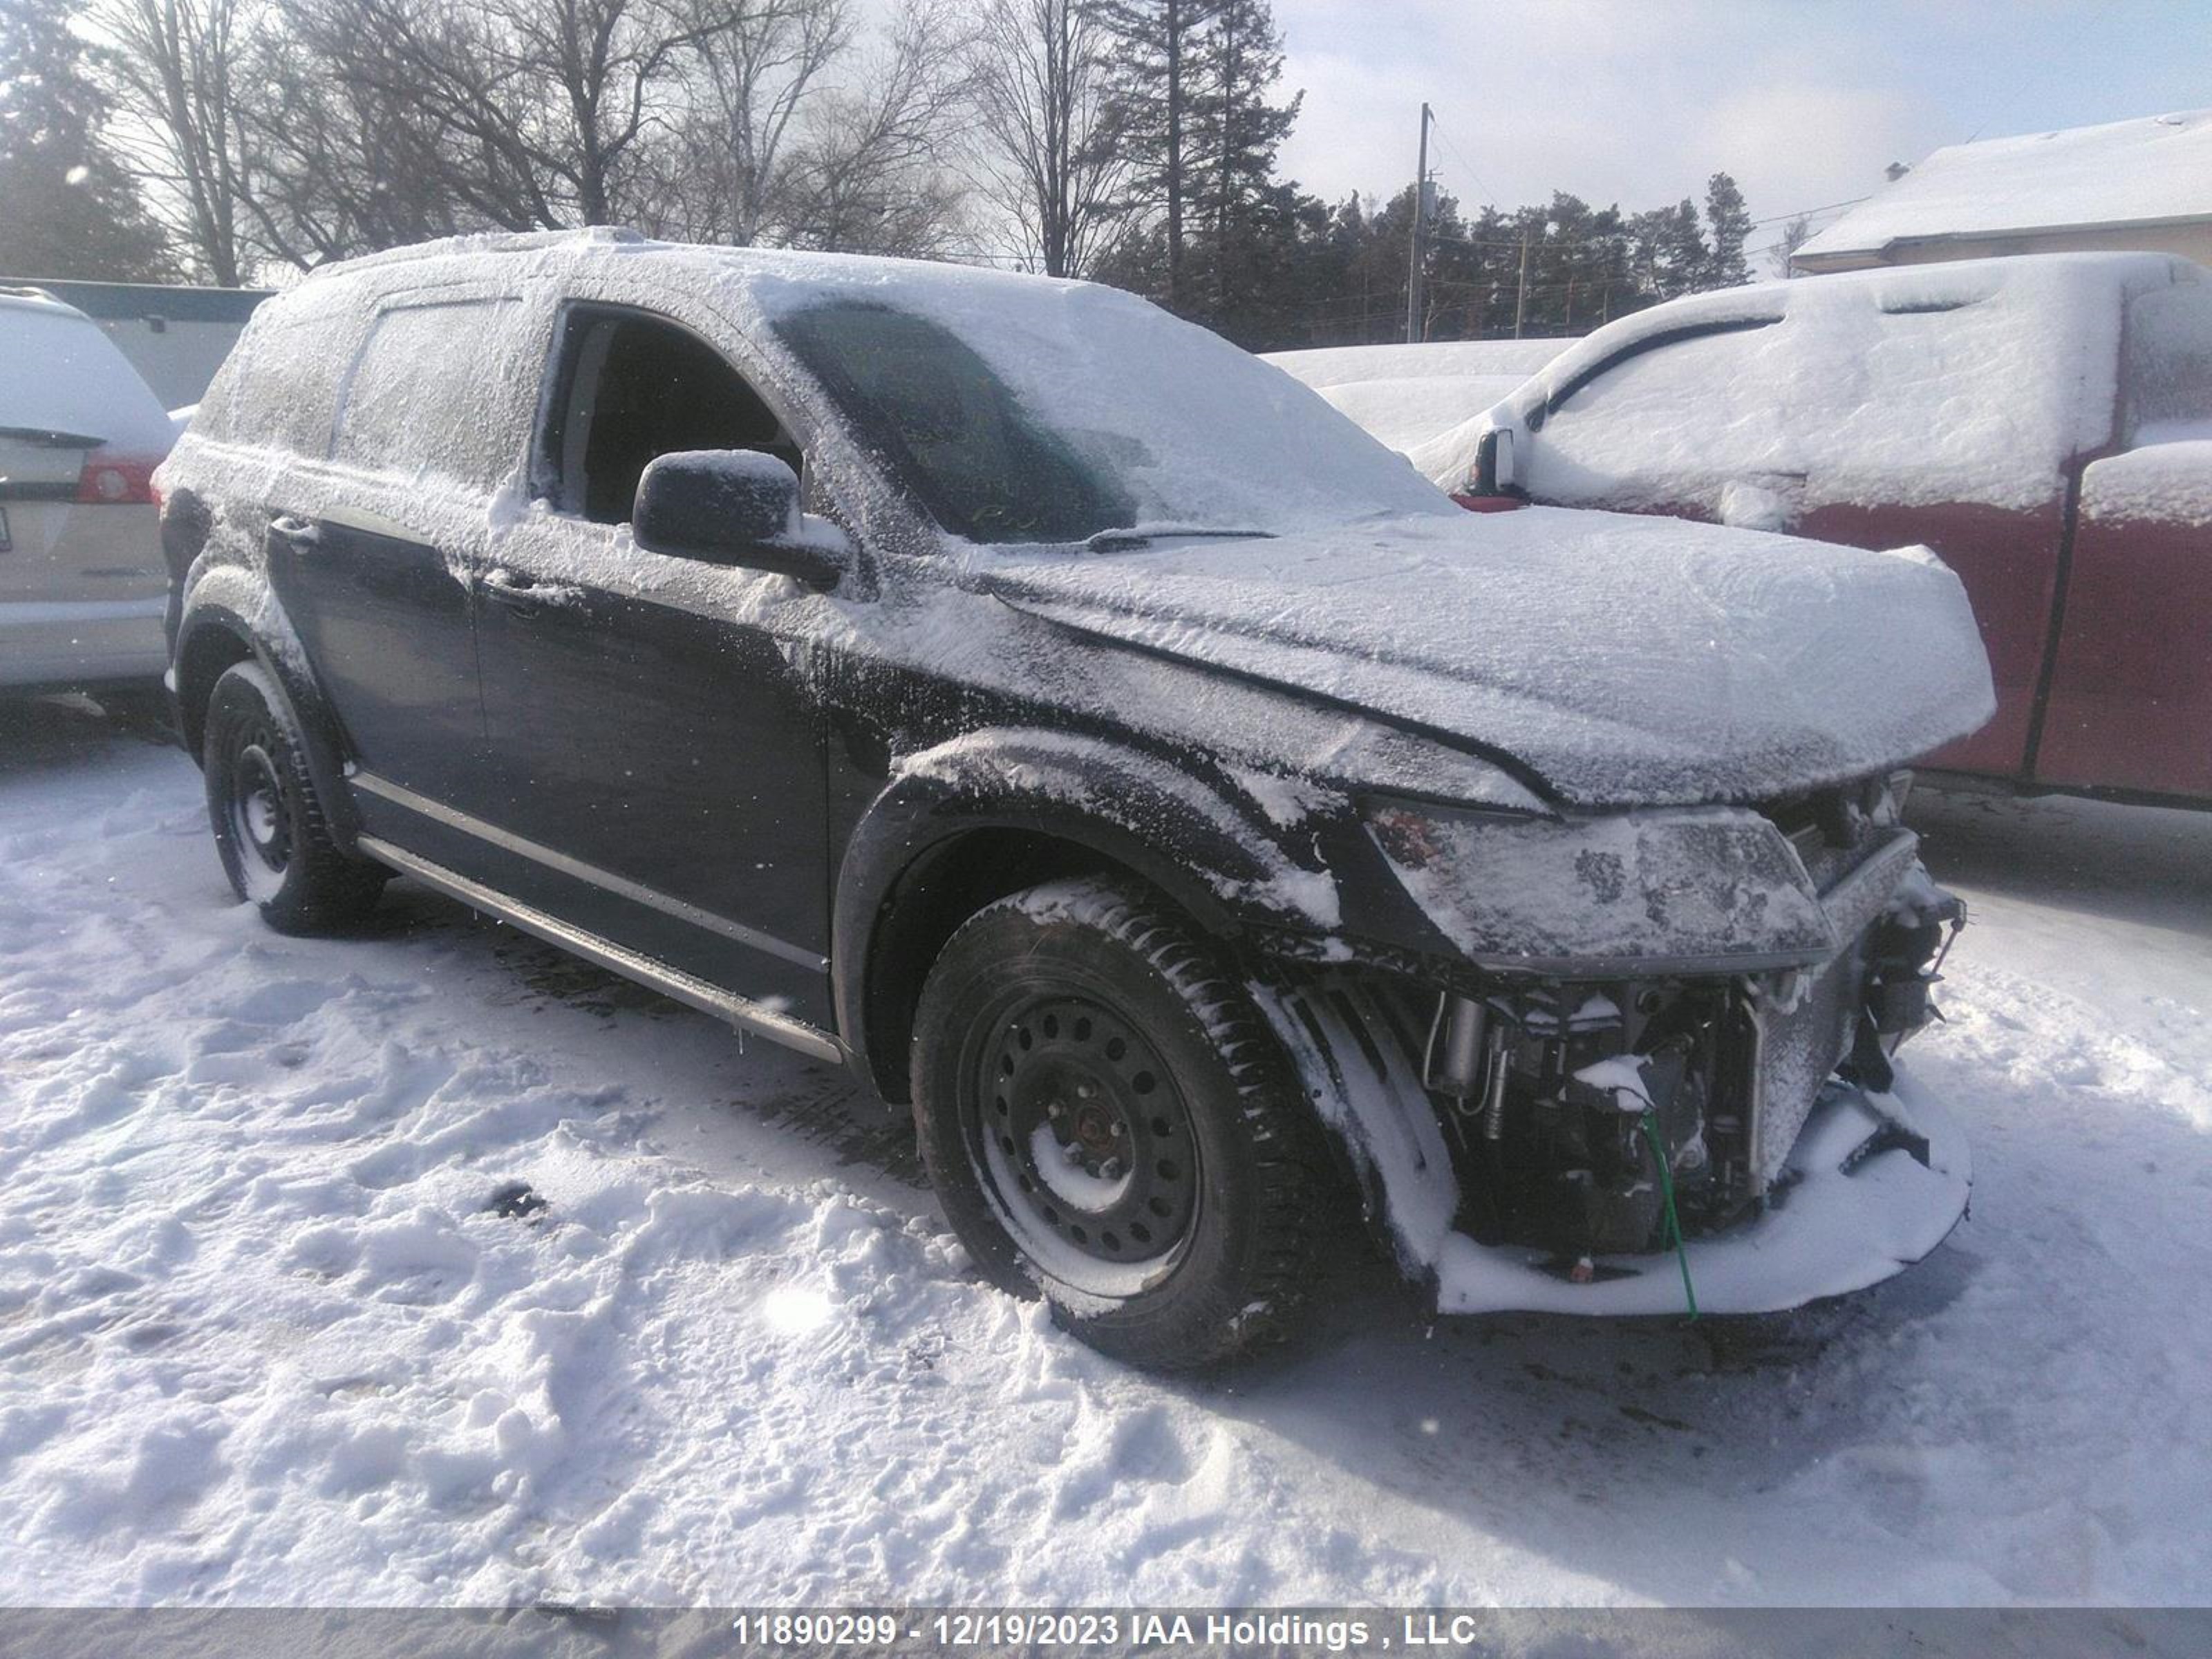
(951, 429)
(1021, 412)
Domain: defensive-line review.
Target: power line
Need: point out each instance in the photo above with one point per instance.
(1806, 213)
(1480, 183)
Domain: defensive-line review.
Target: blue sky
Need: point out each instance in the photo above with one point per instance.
(1638, 101)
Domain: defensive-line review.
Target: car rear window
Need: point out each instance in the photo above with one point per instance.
(435, 391)
(63, 375)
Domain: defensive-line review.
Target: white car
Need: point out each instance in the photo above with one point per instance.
(82, 582)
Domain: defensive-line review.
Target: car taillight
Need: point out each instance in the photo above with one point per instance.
(118, 479)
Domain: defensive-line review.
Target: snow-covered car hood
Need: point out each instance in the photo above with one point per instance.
(1627, 660)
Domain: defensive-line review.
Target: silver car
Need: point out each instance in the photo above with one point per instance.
(82, 582)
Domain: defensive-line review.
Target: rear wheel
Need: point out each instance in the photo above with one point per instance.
(270, 830)
(1109, 1124)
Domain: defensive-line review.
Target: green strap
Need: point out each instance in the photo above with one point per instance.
(1666, 1191)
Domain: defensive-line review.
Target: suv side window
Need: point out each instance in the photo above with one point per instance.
(437, 389)
(279, 385)
(627, 387)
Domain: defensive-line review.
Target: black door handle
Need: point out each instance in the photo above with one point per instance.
(303, 535)
(513, 590)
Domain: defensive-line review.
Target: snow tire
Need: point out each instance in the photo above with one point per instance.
(1114, 958)
(271, 830)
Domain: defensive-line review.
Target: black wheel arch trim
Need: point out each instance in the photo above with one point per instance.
(206, 616)
(1209, 853)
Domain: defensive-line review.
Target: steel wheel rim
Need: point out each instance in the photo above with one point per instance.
(1083, 1140)
(259, 822)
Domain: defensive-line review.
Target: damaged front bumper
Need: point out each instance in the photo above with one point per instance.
(1877, 1181)
(1708, 1064)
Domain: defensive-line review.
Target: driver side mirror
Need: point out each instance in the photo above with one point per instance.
(731, 507)
(1493, 463)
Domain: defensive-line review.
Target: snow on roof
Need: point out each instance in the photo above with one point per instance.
(1328, 365)
(1191, 428)
(1405, 395)
(2149, 170)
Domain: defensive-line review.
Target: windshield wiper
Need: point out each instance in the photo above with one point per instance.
(46, 438)
(1142, 535)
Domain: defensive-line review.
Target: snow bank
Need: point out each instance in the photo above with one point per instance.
(1406, 395)
(2122, 173)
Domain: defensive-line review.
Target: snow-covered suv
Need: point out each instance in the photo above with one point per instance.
(1107, 750)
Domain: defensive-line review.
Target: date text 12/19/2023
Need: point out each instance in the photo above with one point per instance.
(1078, 1632)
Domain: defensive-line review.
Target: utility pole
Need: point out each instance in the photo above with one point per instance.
(1521, 299)
(1415, 260)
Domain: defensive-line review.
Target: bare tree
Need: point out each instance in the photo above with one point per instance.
(1044, 120)
(724, 164)
(178, 61)
(870, 175)
(301, 131)
(341, 166)
(540, 107)
(1795, 235)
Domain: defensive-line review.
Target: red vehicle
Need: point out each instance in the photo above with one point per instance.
(2044, 424)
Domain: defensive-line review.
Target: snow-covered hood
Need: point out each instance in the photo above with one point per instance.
(1627, 660)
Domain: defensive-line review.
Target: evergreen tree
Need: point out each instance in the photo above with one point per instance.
(1670, 255)
(71, 209)
(1731, 227)
(1155, 64)
(1240, 59)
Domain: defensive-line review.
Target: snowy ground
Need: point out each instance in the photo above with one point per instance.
(266, 1335)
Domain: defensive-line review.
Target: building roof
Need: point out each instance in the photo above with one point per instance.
(109, 302)
(2154, 169)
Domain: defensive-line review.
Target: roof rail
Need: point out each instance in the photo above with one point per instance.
(491, 241)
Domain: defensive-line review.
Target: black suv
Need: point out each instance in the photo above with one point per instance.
(1107, 750)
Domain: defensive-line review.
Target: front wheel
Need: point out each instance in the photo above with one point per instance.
(1109, 1124)
(270, 830)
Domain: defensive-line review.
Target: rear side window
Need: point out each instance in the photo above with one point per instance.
(216, 415)
(2168, 362)
(278, 386)
(438, 389)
